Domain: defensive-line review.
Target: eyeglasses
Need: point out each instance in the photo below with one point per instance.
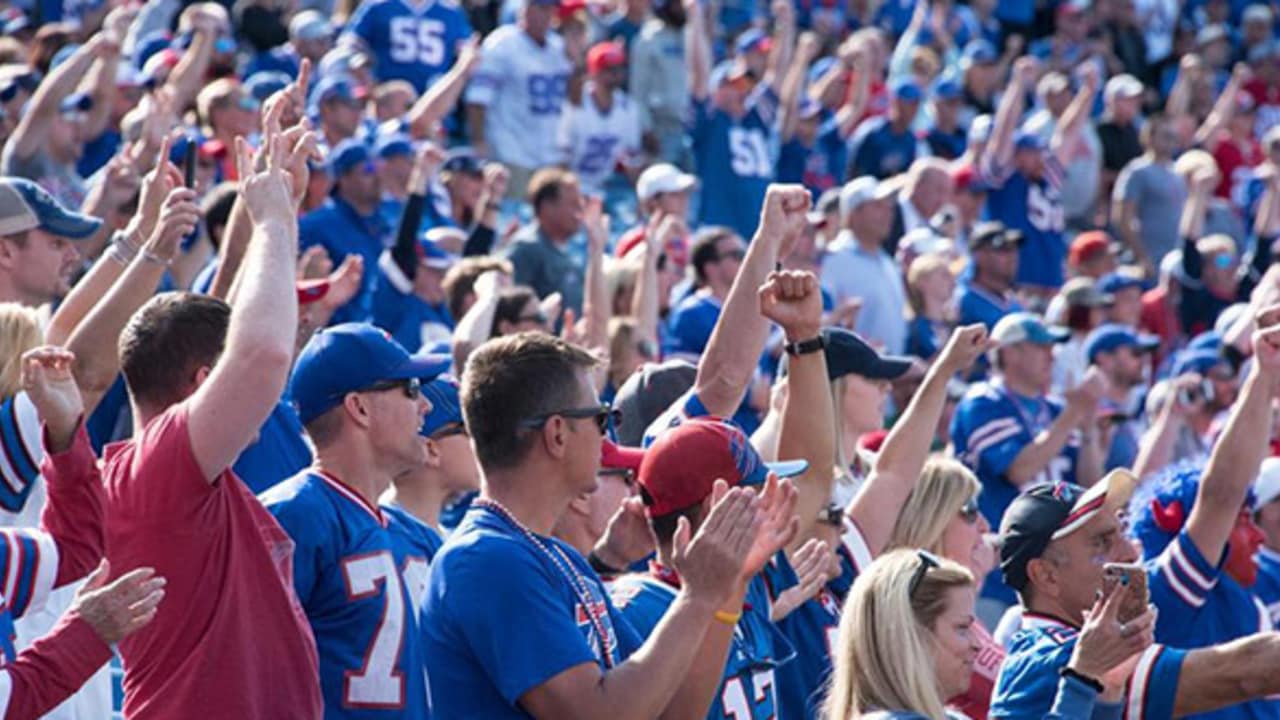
(449, 431)
(732, 255)
(628, 477)
(927, 561)
(412, 387)
(969, 511)
(602, 414)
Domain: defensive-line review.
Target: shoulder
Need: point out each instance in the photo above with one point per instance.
(300, 490)
(502, 37)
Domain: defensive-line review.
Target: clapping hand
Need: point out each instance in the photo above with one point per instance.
(811, 563)
(48, 382)
(711, 563)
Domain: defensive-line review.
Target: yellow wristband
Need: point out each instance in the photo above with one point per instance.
(727, 618)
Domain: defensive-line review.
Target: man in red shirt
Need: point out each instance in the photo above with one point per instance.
(231, 640)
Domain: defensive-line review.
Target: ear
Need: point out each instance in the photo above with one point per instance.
(201, 374)
(434, 456)
(1042, 575)
(357, 409)
(555, 436)
(8, 254)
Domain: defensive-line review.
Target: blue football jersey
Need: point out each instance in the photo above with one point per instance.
(501, 617)
(28, 567)
(416, 544)
(348, 572)
(748, 690)
(20, 461)
(412, 41)
(990, 427)
(735, 159)
(1035, 208)
(1028, 680)
(977, 304)
(1268, 586)
(1200, 605)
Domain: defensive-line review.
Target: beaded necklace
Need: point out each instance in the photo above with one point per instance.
(563, 564)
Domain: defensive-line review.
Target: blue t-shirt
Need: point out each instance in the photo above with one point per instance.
(278, 59)
(979, 305)
(879, 151)
(412, 321)
(348, 575)
(1267, 588)
(735, 158)
(1028, 680)
(690, 324)
(946, 145)
(338, 228)
(1035, 208)
(413, 41)
(990, 427)
(501, 617)
(748, 689)
(279, 452)
(819, 167)
(98, 152)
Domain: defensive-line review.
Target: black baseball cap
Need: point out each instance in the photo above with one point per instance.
(1048, 512)
(647, 394)
(995, 235)
(848, 354)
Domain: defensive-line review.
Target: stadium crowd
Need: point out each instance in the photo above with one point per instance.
(640, 358)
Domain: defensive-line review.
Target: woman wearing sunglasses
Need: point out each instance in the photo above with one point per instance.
(906, 643)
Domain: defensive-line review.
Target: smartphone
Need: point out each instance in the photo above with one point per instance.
(189, 164)
(1134, 577)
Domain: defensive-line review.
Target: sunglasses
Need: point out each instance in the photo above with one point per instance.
(732, 255)
(927, 561)
(450, 431)
(412, 387)
(628, 477)
(249, 103)
(969, 511)
(602, 414)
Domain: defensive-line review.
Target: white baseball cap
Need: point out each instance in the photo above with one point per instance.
(1267, 487)
(1124, 85)
(662, 178)
(862, 190)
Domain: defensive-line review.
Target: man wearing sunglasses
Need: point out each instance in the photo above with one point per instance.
(349, 222)
(359, 397)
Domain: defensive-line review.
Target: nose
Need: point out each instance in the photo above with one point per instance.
(424, 405)
(1128, 553)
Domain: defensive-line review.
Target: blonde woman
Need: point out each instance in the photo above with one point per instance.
(930, 287)
(19, 468)
(906, 643)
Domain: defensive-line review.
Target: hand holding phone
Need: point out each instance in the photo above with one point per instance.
(1134, 577)
(189, 164)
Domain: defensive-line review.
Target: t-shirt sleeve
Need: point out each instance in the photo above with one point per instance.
(1180, 581)
(1150, 695)
(993, 439)
(517, 657)
(165, 483)
(21, 456)
(688, 406)
(28, 565)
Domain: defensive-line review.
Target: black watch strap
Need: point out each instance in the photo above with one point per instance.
(804, 347)
(1091, 682)
(600, 566)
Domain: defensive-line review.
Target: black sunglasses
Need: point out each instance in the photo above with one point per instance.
(927, 561)
(602, 414)
(969, 511)
(449, 431)
(628, 477)
(412, 387)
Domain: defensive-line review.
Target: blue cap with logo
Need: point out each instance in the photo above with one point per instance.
(393, 145)
(25, 206)
(446, 404)
(1027, 140)
(979, 51)
(348, 154)
(907, 89)
(265, 83)
(948, 88)
(1113, 336)
(1197, 361)
(349, 357)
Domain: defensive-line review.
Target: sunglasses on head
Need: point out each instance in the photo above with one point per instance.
(411, 387)
(603, 415)
(927, 561)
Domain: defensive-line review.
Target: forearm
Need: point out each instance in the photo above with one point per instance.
(1089, 459)
(999, 151)
(53, 668)
(1191, 225)
(1227, 674)
(74, 513)
(102, 80)
(697, 54)
(696, 694)
(595, 302)
(235, 239)
(263, 305)
(1155, 450)
(437, 101)
(188, 75)
(645, 302)
(1034, 458)
(83, 297)
(807, 432)
(1233, 463)
(480, 241)
(405, 252)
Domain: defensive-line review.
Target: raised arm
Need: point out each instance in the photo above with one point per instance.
(405, 250)
(1155, 449)
(793, 82)
(596, 309)
(851, 112)
(1235, 458)
(729, 362)
(902, 456)
(784, 40)
(999, 151)
(1066, 137)
(440, 99)
(101, 81)
(697, 50)
(793, 300)
(1224, 108)
(1191, 225)
(229, 407)
(33, 126)
(187, 77)
(646, 302)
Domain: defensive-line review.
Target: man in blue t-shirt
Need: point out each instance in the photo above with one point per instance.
(1013, 436)
(885, 145)
(413, 41)
(1026, 177)
(515, 622)
(987, 294)
(716, 255)
(733, 129)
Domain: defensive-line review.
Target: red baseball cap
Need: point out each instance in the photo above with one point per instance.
(619, 457)
(605, 55)
(1087, 246)
(682, 465)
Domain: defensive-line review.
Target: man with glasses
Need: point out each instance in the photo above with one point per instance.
(349, 222)
(516, 622)
(716, 255)
(359, 397)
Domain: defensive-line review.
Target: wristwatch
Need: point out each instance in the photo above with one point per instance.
(804, 347)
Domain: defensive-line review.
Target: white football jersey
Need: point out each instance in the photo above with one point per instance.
(522, 85)
(592, 143)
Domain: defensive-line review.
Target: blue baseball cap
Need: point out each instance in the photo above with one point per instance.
(393, 145)
(1026, 327)
(346, 358)
(335, 87)
(1027, 140)
(979, 51)
(820, 68)
(341, 60)
(1114, 282)
(1112, 336)
(348, 154)
(25, 206)
(726, 71)
(446, 404)
(1207, 340)
(906, 89)
(150, 44)
(265, 83)
(1197, 361)
(947, 89)
(432, 255)
(77, 102)
(808, 108)
(753, 40)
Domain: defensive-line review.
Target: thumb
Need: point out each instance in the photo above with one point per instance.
(98, 577)
(680, 540)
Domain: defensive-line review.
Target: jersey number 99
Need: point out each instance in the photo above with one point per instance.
(415, 40)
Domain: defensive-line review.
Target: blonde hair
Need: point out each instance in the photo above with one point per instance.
(944, 487)
(885, 638)
(921, 267)
(19, 332)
